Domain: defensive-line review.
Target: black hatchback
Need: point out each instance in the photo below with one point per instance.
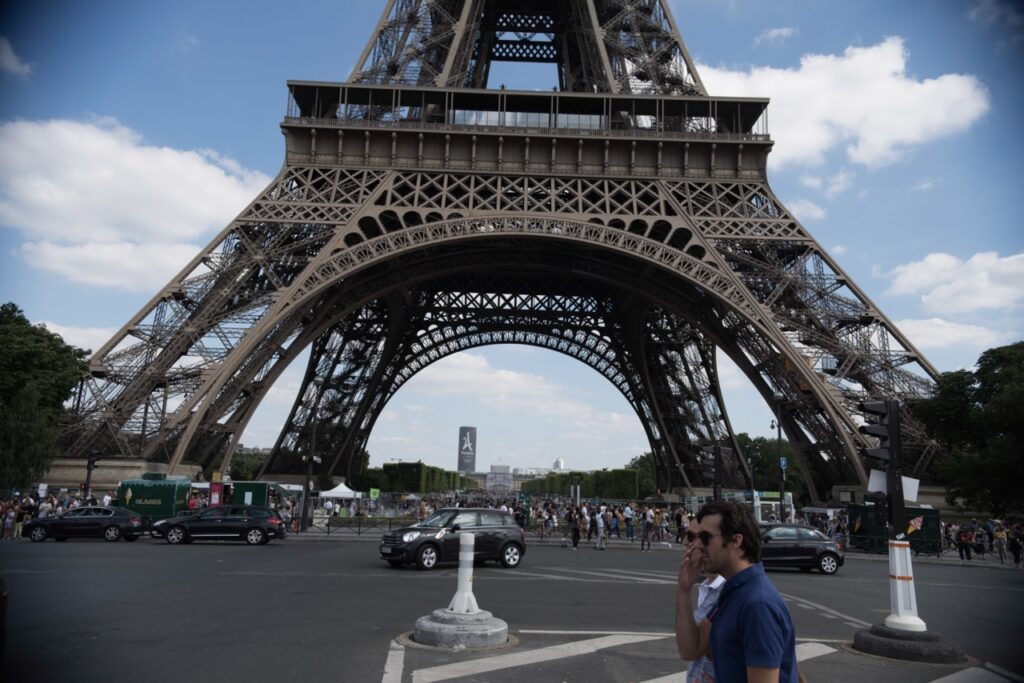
(436, 539)
(253, 524)
(795, 545)
(94, 521)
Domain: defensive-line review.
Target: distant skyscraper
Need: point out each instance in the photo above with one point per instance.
(467, 449)
(558, 465)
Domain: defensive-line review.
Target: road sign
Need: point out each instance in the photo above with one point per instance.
(783, 463)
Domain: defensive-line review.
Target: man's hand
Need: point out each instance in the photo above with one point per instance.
(690, 568)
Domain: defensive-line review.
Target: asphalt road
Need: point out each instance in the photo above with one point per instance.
(330, 611)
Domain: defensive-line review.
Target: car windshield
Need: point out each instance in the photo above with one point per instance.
(438, 519)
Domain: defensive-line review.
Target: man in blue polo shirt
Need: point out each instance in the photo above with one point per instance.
(750, 634)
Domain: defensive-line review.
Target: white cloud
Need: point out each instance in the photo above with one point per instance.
(10, 62)
(118, 265)
(839, 183)
(863, 98)
(90, 338)
(98, 206)
(811, 181)
(936, 333)
(805, 210)
(926, 184)
(838, 249)
(775, 36)
(950, 285)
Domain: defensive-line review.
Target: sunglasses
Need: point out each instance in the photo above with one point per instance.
(704, 536)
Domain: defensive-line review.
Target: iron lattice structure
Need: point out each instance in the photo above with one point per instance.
(624, 220)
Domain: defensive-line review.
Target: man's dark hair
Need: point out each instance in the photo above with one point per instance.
(736, 519)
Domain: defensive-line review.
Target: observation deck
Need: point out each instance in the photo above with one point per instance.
(403, 126)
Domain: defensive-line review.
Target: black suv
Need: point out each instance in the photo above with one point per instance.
(795, 545)
(255, 525)
(436, 539)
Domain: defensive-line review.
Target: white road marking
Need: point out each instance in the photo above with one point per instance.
(544, 654)
(1004, 672)
(805, 651)
(826, 611)
(606, 576)
(394, 664)
(971, 675)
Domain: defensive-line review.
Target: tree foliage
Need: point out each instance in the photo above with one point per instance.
(979, 417)
(38, 372)
(764, 459)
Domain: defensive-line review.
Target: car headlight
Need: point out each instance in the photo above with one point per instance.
(410, 536)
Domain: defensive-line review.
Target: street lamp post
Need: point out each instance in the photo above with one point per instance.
(312, 457)
(782, 467)
(309, 460)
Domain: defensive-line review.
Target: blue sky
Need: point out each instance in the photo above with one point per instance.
(131, 133)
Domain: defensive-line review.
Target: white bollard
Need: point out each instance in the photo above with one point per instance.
(464, 602)
(903, 600)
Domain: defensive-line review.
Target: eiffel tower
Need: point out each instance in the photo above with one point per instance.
(623, 219)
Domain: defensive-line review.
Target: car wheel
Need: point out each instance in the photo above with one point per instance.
(112, 533)
(175, 535)
(511, 555)
(255, 536)
(395, 563)
(426, 557)
(38, 534)
(828, 564)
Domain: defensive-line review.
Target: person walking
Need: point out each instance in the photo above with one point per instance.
(574, 526)
(627, 515)
(645, 533)
(599, 524)
(999, 536)
(750, 633)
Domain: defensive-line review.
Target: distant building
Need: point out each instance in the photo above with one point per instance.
(558, 465)
(467, 450)
(500, 479)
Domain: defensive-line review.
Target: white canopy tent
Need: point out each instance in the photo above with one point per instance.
(339, 491)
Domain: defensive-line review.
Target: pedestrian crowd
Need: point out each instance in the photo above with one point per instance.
(993, 537)
(20, 508)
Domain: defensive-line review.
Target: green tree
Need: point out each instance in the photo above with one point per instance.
(38, 372)
(979, 417)
(646, 478)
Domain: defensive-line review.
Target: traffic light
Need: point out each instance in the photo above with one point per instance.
(91, 460)
(884, 424)
(886, 428)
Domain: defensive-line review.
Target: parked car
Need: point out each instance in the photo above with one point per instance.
(255, 525)
(93, 521)
(795, 545)
(436, 539)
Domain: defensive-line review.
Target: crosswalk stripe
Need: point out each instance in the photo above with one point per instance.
(805, 651)
(544, 654)
(394, 664)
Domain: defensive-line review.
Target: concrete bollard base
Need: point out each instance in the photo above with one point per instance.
(915, 646)
(453, 631)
